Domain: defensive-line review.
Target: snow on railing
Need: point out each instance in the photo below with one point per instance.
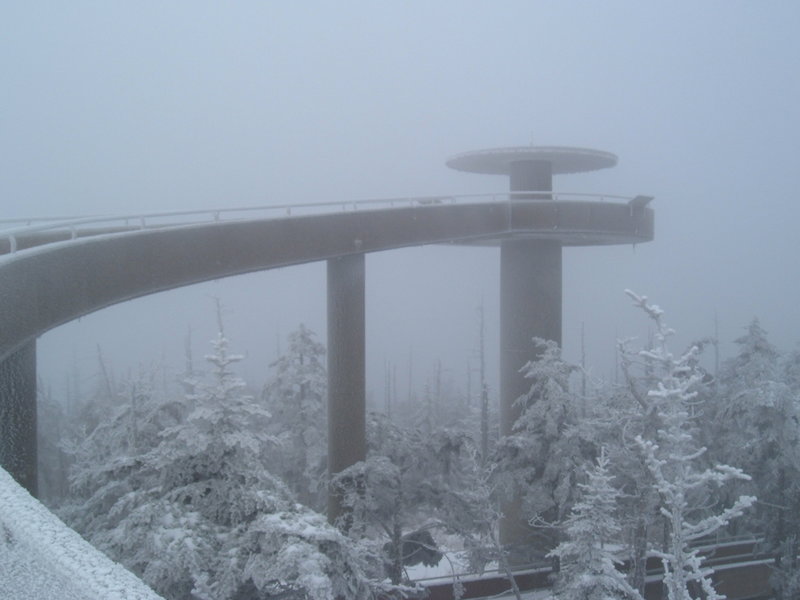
(77, 227)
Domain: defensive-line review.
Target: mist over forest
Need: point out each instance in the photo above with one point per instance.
(147, 107)
(138, 109)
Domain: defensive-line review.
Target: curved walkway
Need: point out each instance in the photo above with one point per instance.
(46, 286)
(58, 272)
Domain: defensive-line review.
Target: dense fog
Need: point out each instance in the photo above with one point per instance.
(137, 108)
(130, 109)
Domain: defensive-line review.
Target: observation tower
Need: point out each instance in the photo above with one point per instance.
(541, 224)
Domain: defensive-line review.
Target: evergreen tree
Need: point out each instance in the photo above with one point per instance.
(587, 558)
(472, 512)
(539, 460)
(752, 407)
(759, 425)
(391, 497)
(791, 371)
(200, 516)
(110, 464)
(296, 395)
(633, 414)
(783, 513)
(672, 459)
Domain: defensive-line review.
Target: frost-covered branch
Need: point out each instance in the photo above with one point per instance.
(672, 457)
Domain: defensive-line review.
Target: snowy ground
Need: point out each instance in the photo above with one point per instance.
(43, 559)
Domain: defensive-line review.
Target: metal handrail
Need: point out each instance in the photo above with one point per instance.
(136, 222)
(705, 545)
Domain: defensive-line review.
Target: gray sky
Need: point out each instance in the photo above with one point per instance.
(147, 106)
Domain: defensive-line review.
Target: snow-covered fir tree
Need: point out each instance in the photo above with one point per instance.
(296, 395)
(758, 425)
(609, 423)
(672, 457)
(389, 496)
(471, 511)
(187, 490)
(589, 554)
(783, 514)
(539, 460)
(199, 515)
(630, 414)
(754, 399)
(791, 371)
(638, 415)
(110, 465)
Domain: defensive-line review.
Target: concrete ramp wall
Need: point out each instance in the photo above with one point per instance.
(43, 559)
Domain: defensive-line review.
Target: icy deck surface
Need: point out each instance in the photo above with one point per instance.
(43, 559)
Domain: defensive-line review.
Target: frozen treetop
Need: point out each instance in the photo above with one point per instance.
(564, 159)
(40, 557)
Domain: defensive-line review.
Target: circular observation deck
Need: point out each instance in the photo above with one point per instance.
(535, 212)
(562, 159)
(572, 222)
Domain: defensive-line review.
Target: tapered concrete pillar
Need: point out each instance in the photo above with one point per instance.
(346, 369)
(18, 440)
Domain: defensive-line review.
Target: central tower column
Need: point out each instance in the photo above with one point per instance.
(346, 369)
(531, 175)
(530, 264)
(530, 306)
(530, 290)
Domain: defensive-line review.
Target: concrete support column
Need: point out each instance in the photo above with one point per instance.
(346, 368)
(530, 306)
(530, 280)
(18, 441)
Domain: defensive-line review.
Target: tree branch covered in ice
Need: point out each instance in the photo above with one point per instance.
(672, 458)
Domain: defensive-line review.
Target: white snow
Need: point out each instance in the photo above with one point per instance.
(43, 559)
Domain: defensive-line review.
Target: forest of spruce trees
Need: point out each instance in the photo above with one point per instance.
(208, 487)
